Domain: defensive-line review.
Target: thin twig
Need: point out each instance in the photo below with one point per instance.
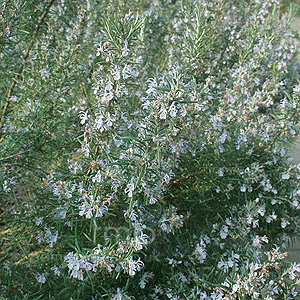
(3, 8)
(14, 155)
(21, 67)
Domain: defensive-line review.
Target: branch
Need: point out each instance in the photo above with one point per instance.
(21, 67)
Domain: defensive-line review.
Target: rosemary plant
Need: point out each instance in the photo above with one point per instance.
(144, 150)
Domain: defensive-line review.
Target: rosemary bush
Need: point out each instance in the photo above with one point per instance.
(144, 150)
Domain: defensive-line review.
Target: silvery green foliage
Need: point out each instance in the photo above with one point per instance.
(180, 186)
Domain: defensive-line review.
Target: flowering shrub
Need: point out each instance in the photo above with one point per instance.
(144, 150)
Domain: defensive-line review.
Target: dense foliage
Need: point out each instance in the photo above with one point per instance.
(144, 149)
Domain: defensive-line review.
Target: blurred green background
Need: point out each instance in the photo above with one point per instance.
(285, 4)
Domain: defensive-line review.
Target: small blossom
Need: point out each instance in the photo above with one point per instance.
(220, 172)
(125, 50)
(243, 189)
(39, 221)
(285, 175)
(41, 278)
(83, 116)
(56, 270)
(130, 188)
